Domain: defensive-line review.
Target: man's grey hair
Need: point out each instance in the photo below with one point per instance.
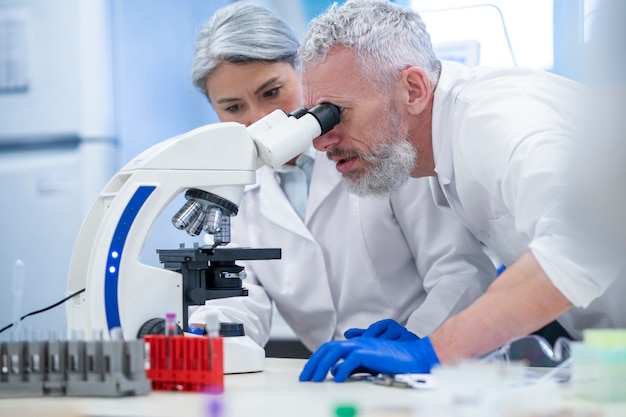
(386, 38)
(239, 33)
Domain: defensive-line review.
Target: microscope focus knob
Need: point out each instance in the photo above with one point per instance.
(231, 329)
(155, 326)
(195, 296)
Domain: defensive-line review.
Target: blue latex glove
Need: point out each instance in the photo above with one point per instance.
(375, 355)
(384, 329)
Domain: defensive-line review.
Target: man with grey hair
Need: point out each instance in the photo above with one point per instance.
(495, 143)
(346, 261)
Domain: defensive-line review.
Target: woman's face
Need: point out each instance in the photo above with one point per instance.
(246, 92)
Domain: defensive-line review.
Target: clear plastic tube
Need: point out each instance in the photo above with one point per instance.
(18, 292)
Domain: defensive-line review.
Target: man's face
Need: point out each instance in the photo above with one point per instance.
(370, 145)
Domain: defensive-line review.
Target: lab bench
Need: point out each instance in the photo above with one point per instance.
(274, 392)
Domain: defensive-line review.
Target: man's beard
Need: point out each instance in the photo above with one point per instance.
(389, 165)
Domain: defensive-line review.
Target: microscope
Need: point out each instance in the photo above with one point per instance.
(211, 165)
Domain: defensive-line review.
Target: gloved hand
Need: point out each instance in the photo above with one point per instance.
(375, 355)
(384, 329)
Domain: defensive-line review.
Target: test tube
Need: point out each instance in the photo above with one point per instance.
(170, 330)
(170, 324)
(116, 333)
(18, 291)
(212, 327)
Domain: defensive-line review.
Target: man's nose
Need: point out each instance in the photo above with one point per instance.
(327, 141)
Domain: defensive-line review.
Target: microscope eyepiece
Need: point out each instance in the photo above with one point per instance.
(280, 136)
(299, 112)
(327, 115)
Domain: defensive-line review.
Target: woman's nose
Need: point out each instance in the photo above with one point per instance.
(256, 113)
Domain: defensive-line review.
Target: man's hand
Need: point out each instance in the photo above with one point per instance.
(384, 329)
(374, 355)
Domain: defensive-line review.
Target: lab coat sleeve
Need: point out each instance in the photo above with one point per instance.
(454, 268)
(580, 268)
(254, 310)
(520, 151)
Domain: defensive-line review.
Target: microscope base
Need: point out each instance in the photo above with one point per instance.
(242, 355)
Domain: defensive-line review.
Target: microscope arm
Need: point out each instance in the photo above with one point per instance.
(219, 159)
(120, 291)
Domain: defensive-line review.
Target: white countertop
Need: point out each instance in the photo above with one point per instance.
(274, 392)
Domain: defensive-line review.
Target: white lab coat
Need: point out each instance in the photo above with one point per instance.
(502, 140)
(353, 260)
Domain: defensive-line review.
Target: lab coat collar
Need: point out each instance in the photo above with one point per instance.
(263, 170)
(310, 152)
(324, 180)
(438, 195)
(451, 80)
(274, 204)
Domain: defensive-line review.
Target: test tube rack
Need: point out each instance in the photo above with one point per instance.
(182, 363)
(102, 368)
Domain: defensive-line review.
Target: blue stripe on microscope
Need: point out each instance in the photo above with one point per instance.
(111, 277)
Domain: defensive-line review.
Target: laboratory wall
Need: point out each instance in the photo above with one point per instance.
(84, 87)
(298, 13)
(57, 145)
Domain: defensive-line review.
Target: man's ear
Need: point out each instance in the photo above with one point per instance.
(417, 89)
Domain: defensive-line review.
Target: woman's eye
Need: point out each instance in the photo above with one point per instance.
(233, 109)
(271, 93)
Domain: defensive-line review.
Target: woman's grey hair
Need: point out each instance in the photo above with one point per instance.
(386, 38)
(239, 33)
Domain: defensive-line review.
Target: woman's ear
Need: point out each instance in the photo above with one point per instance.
(416, 88)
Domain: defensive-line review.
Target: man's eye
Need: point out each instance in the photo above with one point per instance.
(341, 109)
